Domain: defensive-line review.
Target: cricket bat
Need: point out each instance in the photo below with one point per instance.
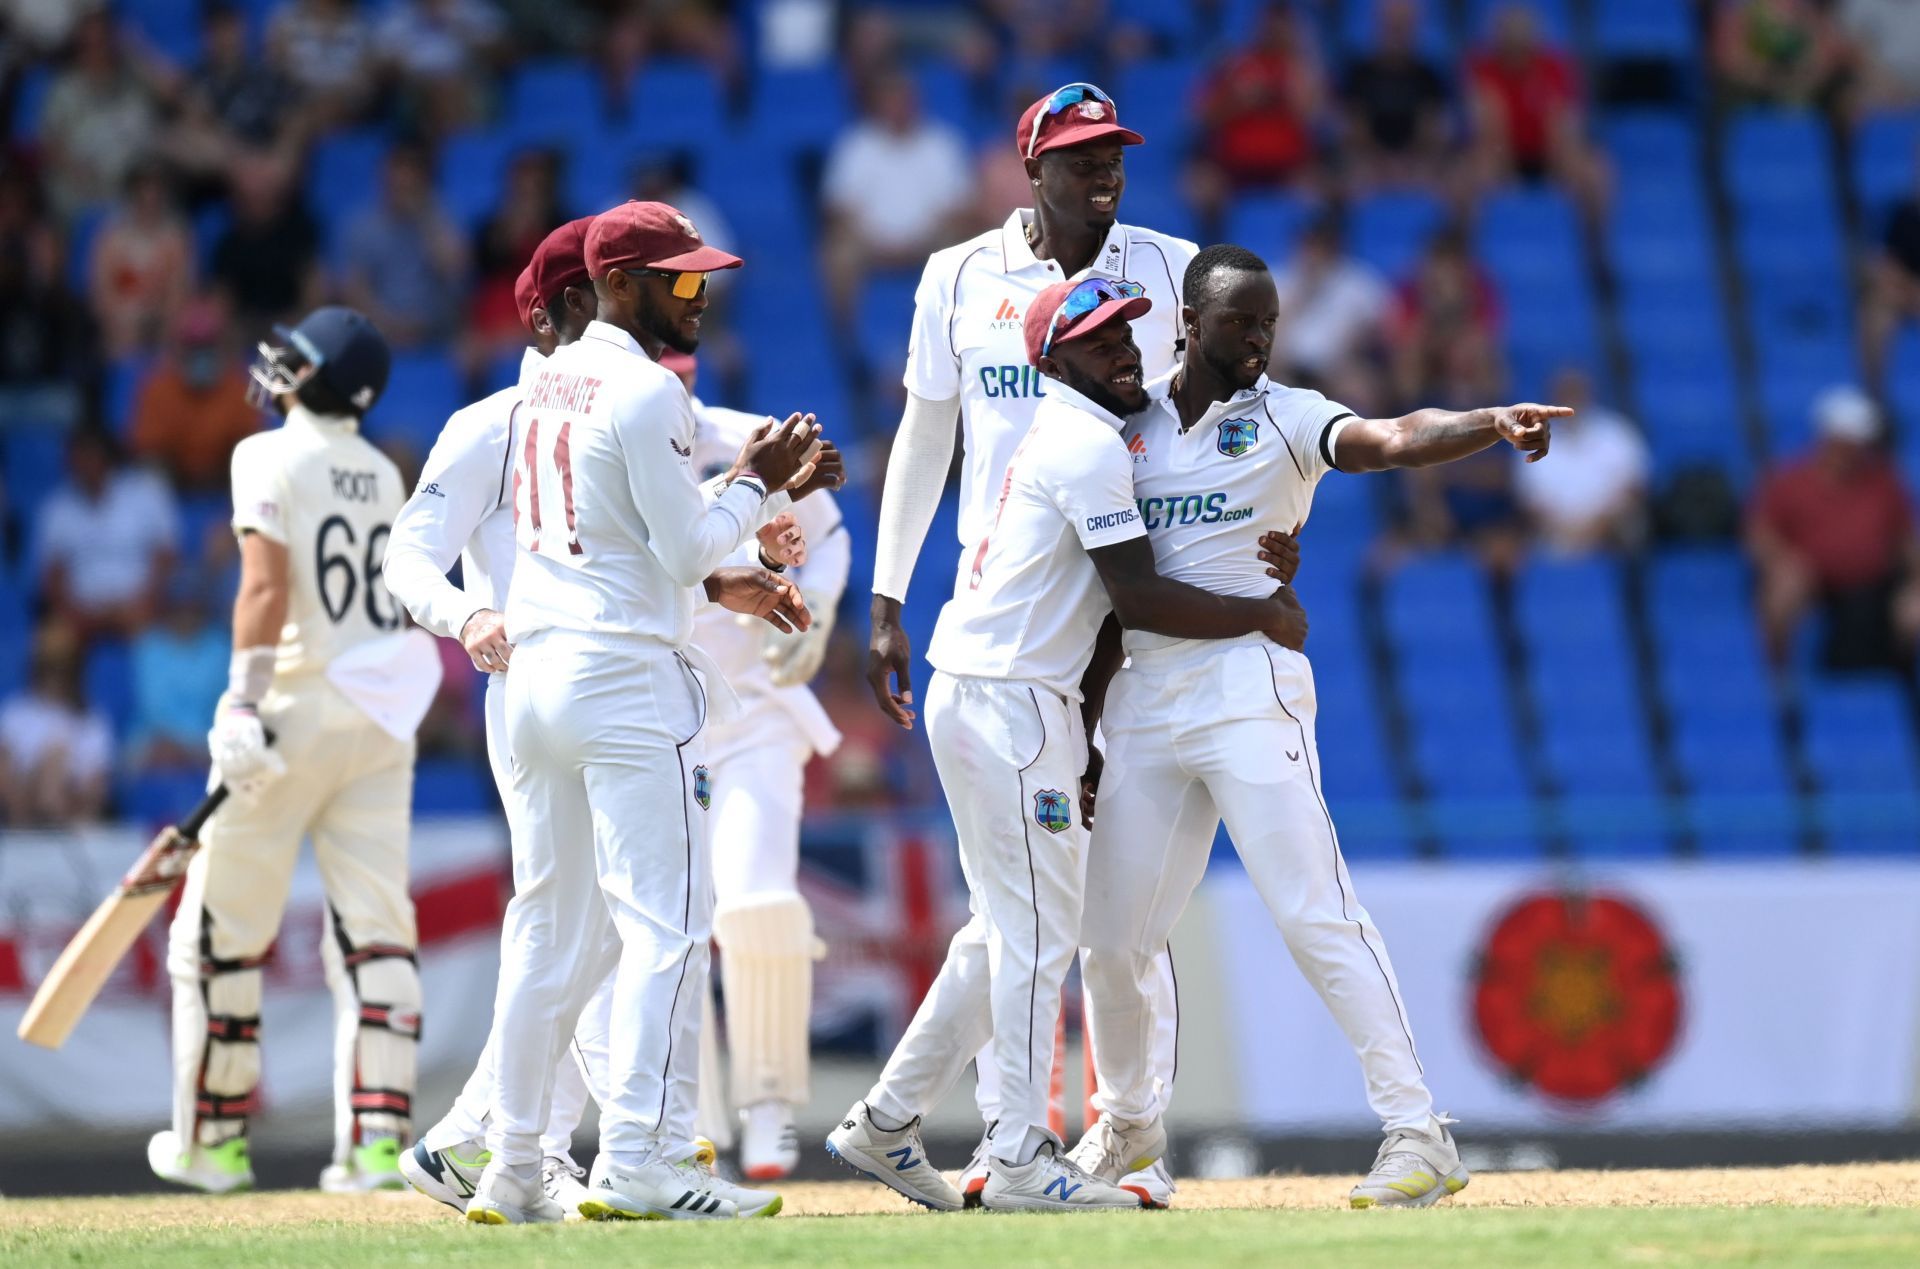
(83, 968)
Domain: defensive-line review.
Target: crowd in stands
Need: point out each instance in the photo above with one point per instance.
(1698, 221)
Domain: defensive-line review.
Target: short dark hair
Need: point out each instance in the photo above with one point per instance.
(1202, 274)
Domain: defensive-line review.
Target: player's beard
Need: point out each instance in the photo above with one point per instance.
(1101, 393)
(667, 330)
(1231, 370)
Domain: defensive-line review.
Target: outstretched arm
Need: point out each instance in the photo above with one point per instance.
(1427, 438)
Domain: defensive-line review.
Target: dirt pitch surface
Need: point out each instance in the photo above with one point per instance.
(1865, 1214)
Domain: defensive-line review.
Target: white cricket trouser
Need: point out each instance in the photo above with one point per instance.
(1010, 755)
(609, 836)
(349, 785)
(1194, 736)
(468, 1117)
(758, 764)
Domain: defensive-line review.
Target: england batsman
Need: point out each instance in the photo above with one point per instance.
(321, 664)
(1201, 732)
(967, 365)
(1065, 547)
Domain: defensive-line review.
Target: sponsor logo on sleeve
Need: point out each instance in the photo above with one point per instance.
(1112, 520)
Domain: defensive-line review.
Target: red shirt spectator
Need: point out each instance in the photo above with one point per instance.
(1848, 519)
(1527, 92)
(1259, 105)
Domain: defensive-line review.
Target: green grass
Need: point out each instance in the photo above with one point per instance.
(1541, 1238)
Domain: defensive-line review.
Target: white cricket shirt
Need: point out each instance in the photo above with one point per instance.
(1249, 464)
(460, 509)
(614, 534)
(969, 338)
(317, 487)
(1028, 602)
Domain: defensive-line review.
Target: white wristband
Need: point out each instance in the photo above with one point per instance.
(250, 674)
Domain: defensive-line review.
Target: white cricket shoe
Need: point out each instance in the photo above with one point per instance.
(560, 1178)
(898, 1160)
(769, 1143)
(656, 1191)
(1414, 1168)
(1050, 1183)
(223, 1169)
(447, 1176)
(1112, 1149)
(504, 1199)
(747, 1203)
(1153, 1186)
(974, 1179)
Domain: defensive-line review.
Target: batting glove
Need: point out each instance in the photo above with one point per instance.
(241, 756)
(795, 658)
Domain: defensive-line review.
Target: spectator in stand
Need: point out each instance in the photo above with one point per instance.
(1776, 52)
(1592, 496)
(267, 263)
(179, 670)
(1527, 114)
(1885, 35)
(1892, 281)
(99, 119)
(922, 167)
(193, 409)
(1257, 114)
(528, 210)
(441, 52)
(1332, 307)
(405, 260)
(1834, 531)
(106, 540)
(1396, 107)
(234, 105)
(325, 48)
(1449, 302)
(142, 267)
(55, 753)
(46, 341)
(1470, 502)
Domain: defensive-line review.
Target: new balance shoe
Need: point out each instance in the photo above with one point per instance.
(974, 1179)
(896, 1159)
(223, 1169)
(656, 1191)
(1415, 1168)
(1050, 1183)
(560, 1178)
(505, 1199)
(447, 1176)
(374, 1165)
(1154, 1186)
(769, 1143)
(1112, 1149)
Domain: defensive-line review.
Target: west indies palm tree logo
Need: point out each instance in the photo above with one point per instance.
(1237, 436)
(1577, 996)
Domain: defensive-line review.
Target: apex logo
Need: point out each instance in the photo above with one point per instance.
(1138, 448)
(1006, 317)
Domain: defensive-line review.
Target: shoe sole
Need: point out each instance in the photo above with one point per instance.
(598, 1210)
(1450, 1185)
(1146, 1197)
(909, 1195)
(1036, 1206)
(487, 1216)
(971, 1194)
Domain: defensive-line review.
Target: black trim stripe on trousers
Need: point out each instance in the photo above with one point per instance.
(686, 910)
(1033, 884)
(1333, 836)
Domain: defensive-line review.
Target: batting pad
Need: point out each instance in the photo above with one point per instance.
(767, 950)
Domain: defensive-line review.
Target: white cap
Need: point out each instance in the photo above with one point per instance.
(1844, 413)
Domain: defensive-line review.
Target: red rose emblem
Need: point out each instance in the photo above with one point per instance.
(1577, 996)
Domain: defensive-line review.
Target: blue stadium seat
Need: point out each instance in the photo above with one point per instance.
(1485, 826)
(1655, 29)
(1650, 141)
(1173, 22)
(1710, 577)
(35, 459)
(1577, 598)
(172, 27)
(453, 786)
(30, 102)
(1586, 759)
(885, 318)
(1789, 386)
(800, 109)
(1903, 381)
(1390, 230)
(344, 176)
(1531, 234)
(1886, 150)
(472, 168)
(1731, 755)
(1859, 738)
(1778, 156)
(1360, 29)
(154, 798)
(948, 95)
(549, 99)
(1267, 223)
(121, 392)
(1438, 598)
(107, 681)
(1155, 98)
(422, 390)
(673, 101)
(1692, 414)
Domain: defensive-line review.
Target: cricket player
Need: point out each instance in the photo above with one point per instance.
(1065, 547)
(762, 924)
(967, 362)
(1197, 732)
(606, 703)
(461, 509)
(314, 737)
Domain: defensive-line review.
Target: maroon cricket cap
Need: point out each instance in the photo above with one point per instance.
(1047, 303)
(525, 297)
(650, 236)
(1080, 117)
(560, 261)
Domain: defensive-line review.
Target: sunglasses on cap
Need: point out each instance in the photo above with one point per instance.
(685, 285)
(1083, 299)
(1064, 97)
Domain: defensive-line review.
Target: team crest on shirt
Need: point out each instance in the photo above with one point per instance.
(1237, 436)
(702, 787)
(1052, 811)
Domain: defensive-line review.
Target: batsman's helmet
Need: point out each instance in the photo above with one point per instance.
(333, 362)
